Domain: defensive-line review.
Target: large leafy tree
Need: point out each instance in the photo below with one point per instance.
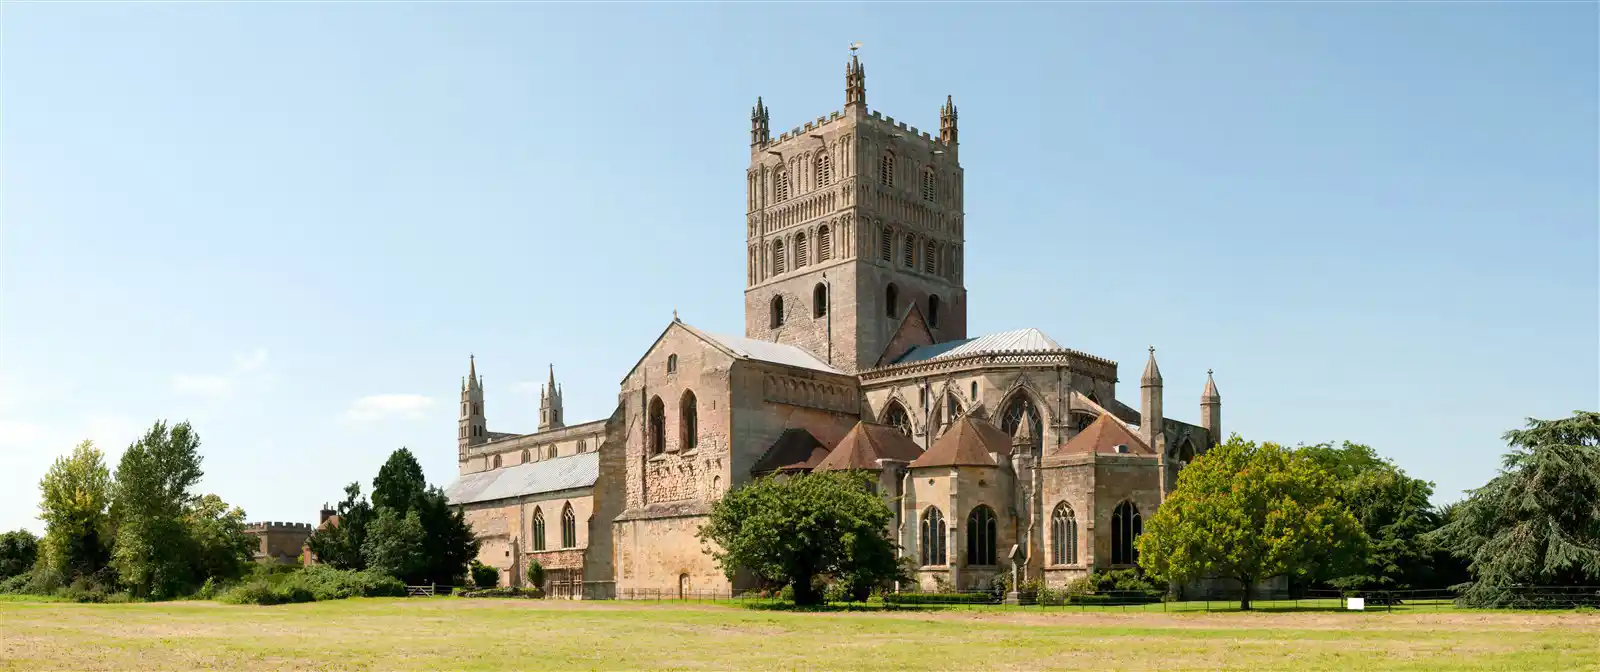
(1394, 510)
(74, 496)
(1250, 513)
(340, 544)
(1538, 521)
(152, 496)
(793, 530)
(19, 549)
(399, 483)
(219, 548)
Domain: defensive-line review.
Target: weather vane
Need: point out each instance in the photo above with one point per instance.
(853, 47)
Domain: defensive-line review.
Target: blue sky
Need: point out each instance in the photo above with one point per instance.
(291, 223)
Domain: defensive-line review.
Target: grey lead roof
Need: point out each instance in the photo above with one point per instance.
(1029, 339)
(532, 478)
(776, 353)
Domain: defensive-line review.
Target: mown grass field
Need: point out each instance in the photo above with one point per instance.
(465, 634)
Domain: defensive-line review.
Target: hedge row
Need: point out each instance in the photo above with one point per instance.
(315, 583)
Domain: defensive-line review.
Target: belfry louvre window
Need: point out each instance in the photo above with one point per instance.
(824, 170)
(569, 528)
(930, 255)
(886, 170)
(777, 258)
(782, 182)
(824, 244)
(928, 186)
(981, 536)
(538, 529)
(1063, 536)
(932, 537)
(911, 251)
(801, 250)
(886, 246)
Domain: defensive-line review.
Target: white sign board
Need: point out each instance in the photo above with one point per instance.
(1356, 603)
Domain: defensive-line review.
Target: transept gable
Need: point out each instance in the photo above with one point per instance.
(912, 332)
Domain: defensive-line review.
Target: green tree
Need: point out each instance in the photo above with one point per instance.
(1250, 513)
(74, 496)
(484, 576)
(399, 483)
(394, 545)
(152, 496)
(1394, 510)
(219, 548)
(19, 550)
(340, 544)
(535, 575)
(450, 544)
(1538, 521)
(793, 530)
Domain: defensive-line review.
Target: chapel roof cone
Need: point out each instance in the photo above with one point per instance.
(1152, 373)
(1209, 395)
(947, 121)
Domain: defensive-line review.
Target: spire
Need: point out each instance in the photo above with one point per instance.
(473, 381)
(1209, 395)
(550, 414)
(1152, 373)
(855, 82)
(552, 384)
(947, 121)
(760, 133)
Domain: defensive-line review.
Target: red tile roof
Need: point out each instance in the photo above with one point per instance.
(866, 444)
(967, 443)
(1102, 437)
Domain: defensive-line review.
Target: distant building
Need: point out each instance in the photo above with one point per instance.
(281, 543)
(855, 355)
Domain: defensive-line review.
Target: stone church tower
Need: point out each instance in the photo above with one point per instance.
(474, 429)
(550, 405)
(854, 218)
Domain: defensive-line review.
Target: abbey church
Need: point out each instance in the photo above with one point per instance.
(855, 355)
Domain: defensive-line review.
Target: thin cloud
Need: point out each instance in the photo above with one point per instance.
(382, 406)
(246, 366)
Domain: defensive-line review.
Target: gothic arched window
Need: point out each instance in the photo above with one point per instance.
(802, 254)
(824, 243)
(777, 258)
(538, 529)
(933, 311)
(932, 537)
(1126, 526)
(569, 528)
(1081, 421)
(497, 461)
(1063, 536)
(981, 536)
(583, 445)
(1017, 410)
(550, 452)
(672, 363)
(777, 312)
(895, 416)
(525, 457)
(928, 182)
(824, 170)
(891, 300)
(886, 169)
(688, 421)
(819, 300)
(657, 426)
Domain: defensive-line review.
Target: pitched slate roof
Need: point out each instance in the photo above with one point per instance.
(967, 443)
(767, 351)
(532, 478)
(795, 450)
(1020, 340)
(866, 444)
(1102, 437)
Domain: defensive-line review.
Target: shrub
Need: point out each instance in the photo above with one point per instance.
(939, 598)
(535, 574)
(506, 591)
(319, 582)
(484, 576)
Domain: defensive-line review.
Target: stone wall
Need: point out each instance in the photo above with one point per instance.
(658, 555)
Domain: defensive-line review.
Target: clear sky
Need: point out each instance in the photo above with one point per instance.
(291, 223)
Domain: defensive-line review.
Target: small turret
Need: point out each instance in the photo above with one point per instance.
(550, 404)
(855, 84)
(1211, 410)
(760, 133)
(947, 121)
(1150, 404)
(473, 427)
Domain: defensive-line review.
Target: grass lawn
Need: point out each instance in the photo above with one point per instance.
(470, 634)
